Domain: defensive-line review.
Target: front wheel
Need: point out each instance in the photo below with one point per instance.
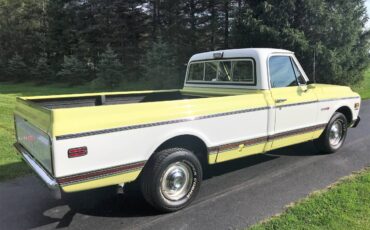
(171, 179)
(334, 134)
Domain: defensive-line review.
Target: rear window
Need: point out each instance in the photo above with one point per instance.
(222, 71)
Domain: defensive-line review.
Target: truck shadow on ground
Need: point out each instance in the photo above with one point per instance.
(130, 206)
(106, 203)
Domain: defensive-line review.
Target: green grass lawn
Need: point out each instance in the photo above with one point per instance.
(345, 205)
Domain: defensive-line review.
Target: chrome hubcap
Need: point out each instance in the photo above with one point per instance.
(336, 133)
(176, 181)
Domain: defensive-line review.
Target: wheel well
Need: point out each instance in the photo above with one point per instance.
(192, 143)
(346, 112)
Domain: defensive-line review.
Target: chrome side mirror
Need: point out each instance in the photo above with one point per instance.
(303, 88)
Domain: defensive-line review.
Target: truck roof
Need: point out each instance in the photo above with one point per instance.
(238, 53)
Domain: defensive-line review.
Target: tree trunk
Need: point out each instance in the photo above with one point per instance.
(155, 17)
(226, 24)
(192, 23)
(213, 24)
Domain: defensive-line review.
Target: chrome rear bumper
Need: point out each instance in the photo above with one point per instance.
(50, 182)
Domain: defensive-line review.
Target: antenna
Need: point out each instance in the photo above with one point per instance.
(314, 65)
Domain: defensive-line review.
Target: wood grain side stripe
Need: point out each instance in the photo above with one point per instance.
(259, 140)
(100, 173)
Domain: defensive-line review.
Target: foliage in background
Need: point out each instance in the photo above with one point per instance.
(73, 71)
(42, 73)
(17, 70)
(334, 29)
(53, 29)
(159, 65)
(110, 71)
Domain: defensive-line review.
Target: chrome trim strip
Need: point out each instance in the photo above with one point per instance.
(131, 127)
(296, 104)
(315, 101)
(84, 134)
(335, 99)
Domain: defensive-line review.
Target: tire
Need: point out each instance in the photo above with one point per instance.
(171, 179)
(328, 142)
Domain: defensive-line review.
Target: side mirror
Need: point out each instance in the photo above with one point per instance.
(303, 88)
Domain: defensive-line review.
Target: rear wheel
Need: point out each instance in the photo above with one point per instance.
(334, 134)
(171, 179)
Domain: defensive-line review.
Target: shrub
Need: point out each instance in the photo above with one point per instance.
(73, 71)
(17, 70)
(110, 70)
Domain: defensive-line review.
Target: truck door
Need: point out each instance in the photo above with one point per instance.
(295, 104)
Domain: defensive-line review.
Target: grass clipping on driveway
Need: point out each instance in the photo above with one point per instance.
(344, 205)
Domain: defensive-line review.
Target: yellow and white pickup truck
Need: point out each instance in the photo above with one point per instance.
(234, 103)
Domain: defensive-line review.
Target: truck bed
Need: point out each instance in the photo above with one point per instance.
(44, 122)
(108, 99)
(43, 111)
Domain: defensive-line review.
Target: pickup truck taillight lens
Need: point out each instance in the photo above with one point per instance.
(77, 152)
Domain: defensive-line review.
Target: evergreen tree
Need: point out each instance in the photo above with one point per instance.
(2, 71)
(160, 68)
(43, 72)
(73, 71)
(334, 29)
(110, 71)
(21, 29)
(58, 28)
(17, 69)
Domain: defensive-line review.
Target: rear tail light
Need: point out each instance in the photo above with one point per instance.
(77, 152)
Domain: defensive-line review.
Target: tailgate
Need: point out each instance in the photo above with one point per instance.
(32, 126)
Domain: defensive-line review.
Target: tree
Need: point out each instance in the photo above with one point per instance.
(58, 28)
(43, 72)
(334, 29)
(160, 68)
(21, 29)
(17, 69)
(110, 71)
(73, 71)
(3, 71)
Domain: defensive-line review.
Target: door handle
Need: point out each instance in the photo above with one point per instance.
(281, 100)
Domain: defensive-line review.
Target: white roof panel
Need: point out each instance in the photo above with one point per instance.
(239, 53)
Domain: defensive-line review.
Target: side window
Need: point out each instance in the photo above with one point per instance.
(225, 73)
(281, 72)
(243, 71)
(211, 71)
(196, 72)
(298, 74)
